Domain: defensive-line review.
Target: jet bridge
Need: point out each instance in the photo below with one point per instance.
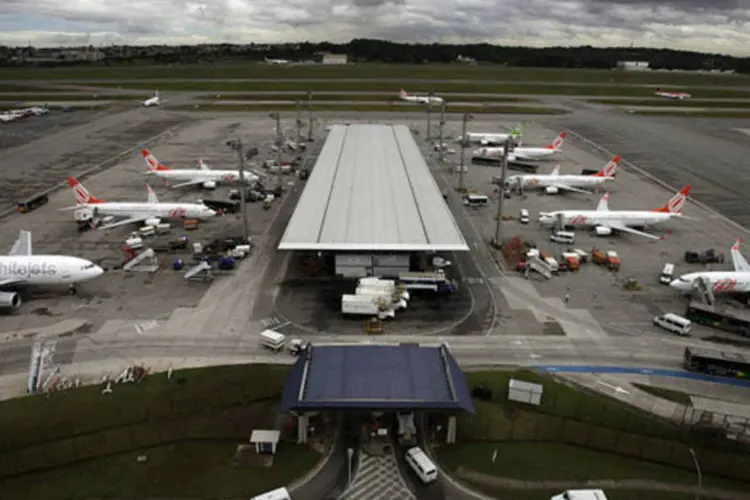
(704, 292)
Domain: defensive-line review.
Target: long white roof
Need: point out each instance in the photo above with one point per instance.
(371, 190)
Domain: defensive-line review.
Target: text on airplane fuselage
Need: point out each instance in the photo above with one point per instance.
(14, 269)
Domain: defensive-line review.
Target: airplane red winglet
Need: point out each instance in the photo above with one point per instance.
(72, 182)
(736, 246)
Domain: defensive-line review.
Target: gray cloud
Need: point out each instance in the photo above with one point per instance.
(708, 25)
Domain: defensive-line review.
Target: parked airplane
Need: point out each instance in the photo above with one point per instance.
(276, 61)
(523, 153)
(490, 138)
(152, 101)
(554, 182)
(21, 267)
(420, 99)
(606, 222)
(151, 212)
(672, 95)
(737, 280)
(203, 175)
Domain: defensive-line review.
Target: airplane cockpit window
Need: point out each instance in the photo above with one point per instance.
(88, 266)
(683, 279)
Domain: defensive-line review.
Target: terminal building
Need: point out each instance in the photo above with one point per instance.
(371, 206)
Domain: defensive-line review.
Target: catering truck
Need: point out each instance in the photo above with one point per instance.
(367, 305)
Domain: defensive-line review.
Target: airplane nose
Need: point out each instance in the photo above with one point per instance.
(679, 285)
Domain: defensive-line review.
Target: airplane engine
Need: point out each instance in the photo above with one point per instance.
(10, 300)
(603, 231)
(152, 221)
(551, 190)
(209, 184)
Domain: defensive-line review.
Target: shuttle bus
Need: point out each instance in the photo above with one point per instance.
(717, 362)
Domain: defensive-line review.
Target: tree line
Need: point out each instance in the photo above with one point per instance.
(366, 50)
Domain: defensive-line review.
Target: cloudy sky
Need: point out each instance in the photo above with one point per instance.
(721, 26)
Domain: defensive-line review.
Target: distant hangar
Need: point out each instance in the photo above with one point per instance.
(371, 191)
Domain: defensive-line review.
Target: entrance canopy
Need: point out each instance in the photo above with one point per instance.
(402, 377)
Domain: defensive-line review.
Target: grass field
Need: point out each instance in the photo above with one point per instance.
(12, 87)
(82, 444)
(543, 494)
(657, 103)
(466, 87)
(386, 97)
(70, 97)
(400, 72)
(691, 113)
(680, 397)
(364, 107)
(559, 462)
(195, 470)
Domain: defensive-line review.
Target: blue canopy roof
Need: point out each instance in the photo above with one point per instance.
(377, 377)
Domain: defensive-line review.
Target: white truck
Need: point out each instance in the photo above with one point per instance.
(365, 305)
(388, 295)
(372, 285)
(581, 495)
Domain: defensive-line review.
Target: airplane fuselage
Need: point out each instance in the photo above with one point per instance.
(47, 269)
(530, 181)
(516, 154)
(160, 210)
(154, 101)
(423, 99)
(718, 281)
(486, 139)
(218, 176)
(589, 218)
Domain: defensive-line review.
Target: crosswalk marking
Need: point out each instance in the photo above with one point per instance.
(378, 478)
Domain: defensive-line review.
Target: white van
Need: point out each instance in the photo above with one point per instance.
(667, 274)
(564, 237)
(674, 323)
(277, 494)
(476, 200)
(421, 464)
(523, 216)
(272, 340)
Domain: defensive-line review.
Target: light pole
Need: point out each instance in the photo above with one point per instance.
(697, 471)
(503, 175)
(350, 454)
(462, 167)
(299, 123)
(239, 148)
(429, 116)
(442, 131)
(279, 145)
(309, 117)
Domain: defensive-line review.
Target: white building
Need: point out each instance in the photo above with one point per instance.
(335, 58)
(633, 65)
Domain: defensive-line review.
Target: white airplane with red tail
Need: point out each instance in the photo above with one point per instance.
(420, 99)
(202, 176)
(151, 212)
(606, 222)
(523, 153)
(672, 95)
(737, 281)
(553, 182)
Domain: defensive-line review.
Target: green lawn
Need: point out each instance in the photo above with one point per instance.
(463, 87)
(381, 98)
(71, 97)
(565, 401)
(12, 87)
(691, 113)
(545, 494)
(400, 72)
(691, 103)
(680, 397)
(560, 462)
(374, 107)
(196, 470)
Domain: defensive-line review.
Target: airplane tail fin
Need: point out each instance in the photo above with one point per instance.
(151, 195)
(151, 162)
(603, 205)
(556, 170)
(676, 202)
(558, 142)
(403, 93)
(82, 195)
(609, 169)
(202, 164)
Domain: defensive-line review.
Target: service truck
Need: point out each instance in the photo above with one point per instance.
(389, 295)
(367, 306)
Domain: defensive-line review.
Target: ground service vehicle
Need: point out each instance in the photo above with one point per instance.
(717, 362)
(710, 256)
(365, 305)
(421, 464)
(724, 319)
(673, 323)
(32, 203)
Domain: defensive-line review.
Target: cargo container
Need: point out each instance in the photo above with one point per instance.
(367, 306)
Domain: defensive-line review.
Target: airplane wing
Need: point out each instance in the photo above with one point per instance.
(11, 282)
(189, 183)
(625, 229)
(123, 222)
(740, 264)
(22, 246)
(563, 187)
